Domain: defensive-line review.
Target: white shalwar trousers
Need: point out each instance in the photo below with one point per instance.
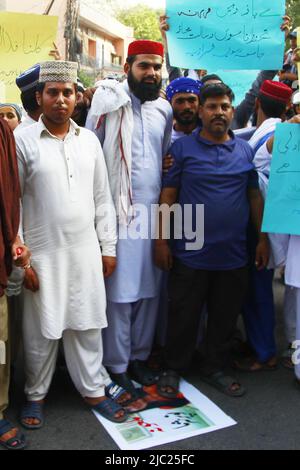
(83, 353)
(296, 356)
(130, 333)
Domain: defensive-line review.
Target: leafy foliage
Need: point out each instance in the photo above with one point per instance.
(143, 19)
(293, 10)
(87, 80)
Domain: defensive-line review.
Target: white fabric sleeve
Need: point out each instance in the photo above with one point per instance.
(168, 133)
(105, 214)
(91, 125)
(22, 177)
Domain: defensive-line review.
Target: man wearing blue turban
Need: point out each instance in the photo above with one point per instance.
(183, 95)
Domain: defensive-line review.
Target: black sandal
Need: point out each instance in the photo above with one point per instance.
(124, 381)
(168, 378)
(141, 373)
(224, 383)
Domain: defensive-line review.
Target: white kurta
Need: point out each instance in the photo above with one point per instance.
(65, 188)
(28, 121)
(136, 276)
(262, 163)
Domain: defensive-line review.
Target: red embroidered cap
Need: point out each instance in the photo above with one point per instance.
(277, 90)
(143, 46)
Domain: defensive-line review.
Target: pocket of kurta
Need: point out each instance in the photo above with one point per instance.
(2, 353)
(3, 319)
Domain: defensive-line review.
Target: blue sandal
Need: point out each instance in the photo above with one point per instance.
(14, 443)
(32, 409)
(108, 409)
(132, 405)
(115, 391)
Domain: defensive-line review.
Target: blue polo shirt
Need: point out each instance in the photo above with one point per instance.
(218, 176)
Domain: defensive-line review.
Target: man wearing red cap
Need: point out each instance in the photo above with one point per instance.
(290, 246)
(259, 311)
(134, 125)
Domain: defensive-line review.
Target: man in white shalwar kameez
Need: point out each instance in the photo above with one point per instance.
(259, 309)
(131, 119)
(68, 221)
(289, 246)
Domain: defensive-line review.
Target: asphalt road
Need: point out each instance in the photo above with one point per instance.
(267, 415)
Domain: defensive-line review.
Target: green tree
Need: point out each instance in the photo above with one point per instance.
(143, 19)
(88, 80)
(293, 10)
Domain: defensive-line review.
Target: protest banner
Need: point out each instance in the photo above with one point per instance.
(25, 40)
(214, 34)
(239, 81)
(282, 207)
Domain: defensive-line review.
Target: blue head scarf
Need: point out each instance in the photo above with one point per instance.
(183, 85)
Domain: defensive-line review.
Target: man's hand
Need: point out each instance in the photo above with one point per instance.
(162, 255)
(294, 120)
(286, 25)
(109, 265)
(31, 281)
(262, 252)
(163, 26)
(296, 55)
(168, 161)
(287, 76)
(55, 52)
(88, 96)
(20, 253)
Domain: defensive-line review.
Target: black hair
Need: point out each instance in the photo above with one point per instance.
(40, 87)
(271, 107)
(215, 90)
(29, 101)
(130, 59)
(211, 76)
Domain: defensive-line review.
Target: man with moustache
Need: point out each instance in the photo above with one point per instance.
(213, 168)
(134, 125)
(183, 95)
(68, 221)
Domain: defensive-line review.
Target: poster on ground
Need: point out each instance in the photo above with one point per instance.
(167, 420)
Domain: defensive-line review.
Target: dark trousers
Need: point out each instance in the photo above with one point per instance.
(259, 314)
(224, 294)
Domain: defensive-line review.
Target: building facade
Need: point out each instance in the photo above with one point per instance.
(104, 43)
(96, 40)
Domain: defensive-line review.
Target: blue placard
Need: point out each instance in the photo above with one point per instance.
(240, 81)
(222, 34)
(282, 207)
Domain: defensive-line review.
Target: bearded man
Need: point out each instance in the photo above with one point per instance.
(134, 126)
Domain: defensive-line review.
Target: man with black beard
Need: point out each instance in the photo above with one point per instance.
(183, 95)
(134, 126)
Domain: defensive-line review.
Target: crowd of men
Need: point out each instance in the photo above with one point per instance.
(99, 268)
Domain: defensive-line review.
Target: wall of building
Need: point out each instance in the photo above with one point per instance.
(111, 38)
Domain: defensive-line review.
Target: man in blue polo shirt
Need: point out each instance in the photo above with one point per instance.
(215, 169)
